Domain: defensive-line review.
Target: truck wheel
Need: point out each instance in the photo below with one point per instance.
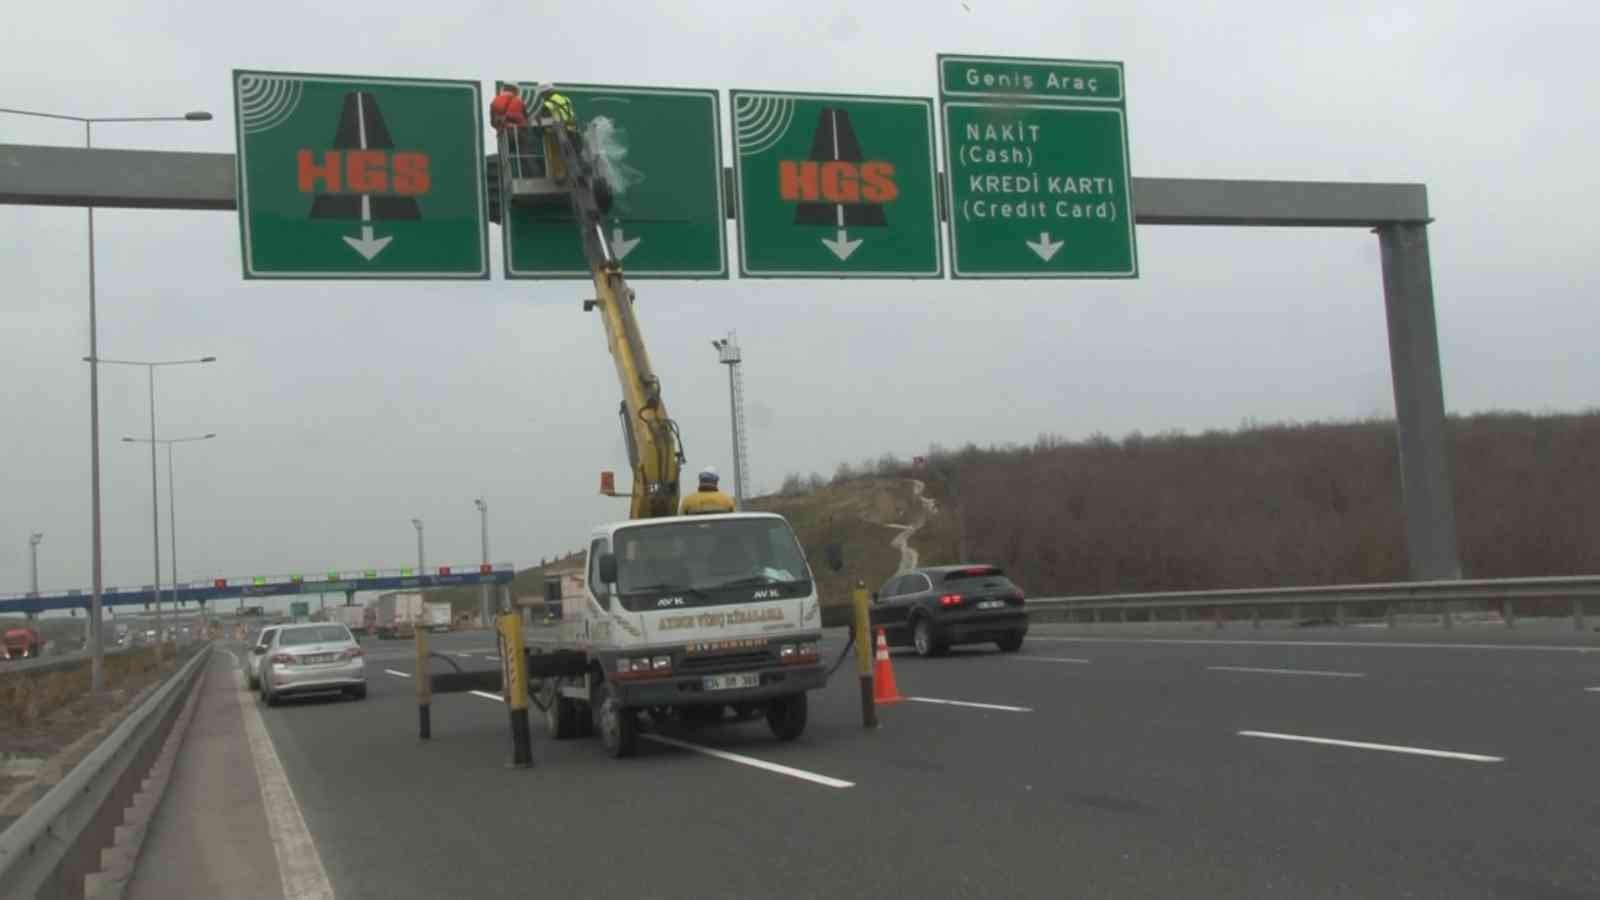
(1011, 643)
(924, 640)
(560, 718)
(618, 726)
(786, 716)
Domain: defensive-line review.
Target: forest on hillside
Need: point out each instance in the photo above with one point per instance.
(1263, 506)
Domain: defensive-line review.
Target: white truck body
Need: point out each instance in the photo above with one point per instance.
(351, 617)
(688, 614)
(436, 616)
(399, 612)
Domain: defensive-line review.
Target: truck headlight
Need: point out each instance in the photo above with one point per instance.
(787, 651)
(661, 663)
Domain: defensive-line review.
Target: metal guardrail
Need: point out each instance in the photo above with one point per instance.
(35, 845)
(1330, 602)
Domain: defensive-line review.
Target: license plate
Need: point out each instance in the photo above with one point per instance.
(992, 604)
(730, 682)
(319, 658)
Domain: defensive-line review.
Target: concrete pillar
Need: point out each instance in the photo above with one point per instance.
(1425, 476)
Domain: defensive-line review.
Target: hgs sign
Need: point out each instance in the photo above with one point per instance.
(835, 186)
(360, 177)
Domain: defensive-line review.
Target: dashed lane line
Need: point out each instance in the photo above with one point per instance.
(1053, 659)
(1318, 673)
(802, 774)
(971, 704)
(398, 674)
(1366, 745)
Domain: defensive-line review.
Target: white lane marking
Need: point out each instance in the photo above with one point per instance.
(801, 774)
(488, 696)
(398, 674)
(1316, 672)
(299, 864)
(493, 657)
(1364, 745)
(1593, 690)
(971, 704)
(464, 655)
(1415, 645)
(1054, 659)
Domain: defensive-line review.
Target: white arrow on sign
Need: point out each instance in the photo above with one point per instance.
(1045, 247)
(366, 245)
(841, 245)
(621, 246)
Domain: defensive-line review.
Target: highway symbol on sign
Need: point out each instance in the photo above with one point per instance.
(835, 186)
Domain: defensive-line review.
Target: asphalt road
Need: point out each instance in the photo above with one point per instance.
(1121, 767)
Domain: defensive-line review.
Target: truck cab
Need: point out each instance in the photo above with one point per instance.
(688, 617)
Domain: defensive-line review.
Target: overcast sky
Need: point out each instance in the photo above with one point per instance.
(345, 409)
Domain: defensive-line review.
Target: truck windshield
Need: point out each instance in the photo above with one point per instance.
(712, 560)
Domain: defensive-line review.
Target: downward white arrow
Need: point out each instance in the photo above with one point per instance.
(622, 246)
(1045, 247)
(842, 246)
(367, 245)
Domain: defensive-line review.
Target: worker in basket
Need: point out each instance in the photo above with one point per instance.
(708, 499)
(509, 116)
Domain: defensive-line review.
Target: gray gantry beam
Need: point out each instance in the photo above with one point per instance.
(143, 179)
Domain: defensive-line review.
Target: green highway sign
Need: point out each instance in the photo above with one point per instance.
(835, 186)
(357, 177)
(669, 222)
(1036, 162)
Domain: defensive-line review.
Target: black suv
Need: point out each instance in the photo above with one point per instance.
(934, 607)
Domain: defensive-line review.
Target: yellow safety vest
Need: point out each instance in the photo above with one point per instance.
(703, 501)
(561, 108)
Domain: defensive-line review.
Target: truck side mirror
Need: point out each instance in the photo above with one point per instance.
(608, 568)
(834, 553)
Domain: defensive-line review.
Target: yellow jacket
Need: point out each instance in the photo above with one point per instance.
(705, 501)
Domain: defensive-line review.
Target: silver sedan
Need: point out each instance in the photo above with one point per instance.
(312, 659)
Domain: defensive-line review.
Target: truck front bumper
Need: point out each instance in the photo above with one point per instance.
(690, 690)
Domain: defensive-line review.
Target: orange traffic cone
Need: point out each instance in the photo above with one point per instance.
(883, 687)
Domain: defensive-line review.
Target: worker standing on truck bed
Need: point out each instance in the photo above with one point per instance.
(708, 499)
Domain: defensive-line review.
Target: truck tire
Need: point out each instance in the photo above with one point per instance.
(924, 639)
(618, 726)
(560, 718)
(786, 716)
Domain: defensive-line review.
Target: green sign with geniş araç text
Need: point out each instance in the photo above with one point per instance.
(1036, 161)
(360, 177)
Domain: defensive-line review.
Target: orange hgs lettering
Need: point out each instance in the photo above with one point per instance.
(837, 181)
(363, 172)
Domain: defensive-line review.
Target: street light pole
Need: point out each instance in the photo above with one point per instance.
(483, 589)
(155, 502)
(33, 551)
(421, 565)
(96, 646)
(728, 355)
(172, 505)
